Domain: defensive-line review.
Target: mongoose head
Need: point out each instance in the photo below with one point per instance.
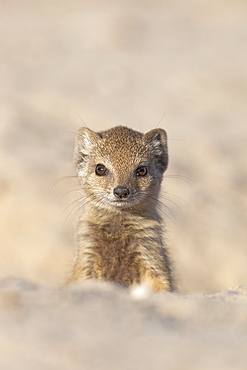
(120, 168)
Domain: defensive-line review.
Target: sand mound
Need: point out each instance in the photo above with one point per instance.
(101, 326)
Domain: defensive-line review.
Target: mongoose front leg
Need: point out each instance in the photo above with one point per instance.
(84, 266)
(155, 268)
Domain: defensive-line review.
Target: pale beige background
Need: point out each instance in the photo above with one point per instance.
(125, 62)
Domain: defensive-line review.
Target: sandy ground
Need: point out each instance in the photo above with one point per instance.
(100, 326)
(132, 63)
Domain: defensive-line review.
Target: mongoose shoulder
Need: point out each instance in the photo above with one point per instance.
(119, 236)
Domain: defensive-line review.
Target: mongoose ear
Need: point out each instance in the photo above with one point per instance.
(156, 140)
(86, 139)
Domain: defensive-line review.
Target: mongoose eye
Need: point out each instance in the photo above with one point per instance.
(141, 171)
(100, 170)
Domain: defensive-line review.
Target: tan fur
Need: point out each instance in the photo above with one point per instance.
(120, 240)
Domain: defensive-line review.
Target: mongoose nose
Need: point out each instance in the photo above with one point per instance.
(121, 192)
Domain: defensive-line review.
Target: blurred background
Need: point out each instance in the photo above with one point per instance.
(180, 65)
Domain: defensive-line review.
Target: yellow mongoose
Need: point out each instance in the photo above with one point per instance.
(120, 230)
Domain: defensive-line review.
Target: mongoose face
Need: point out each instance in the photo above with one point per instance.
(120, 168)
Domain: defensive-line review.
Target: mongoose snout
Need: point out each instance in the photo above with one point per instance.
(121, 192)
